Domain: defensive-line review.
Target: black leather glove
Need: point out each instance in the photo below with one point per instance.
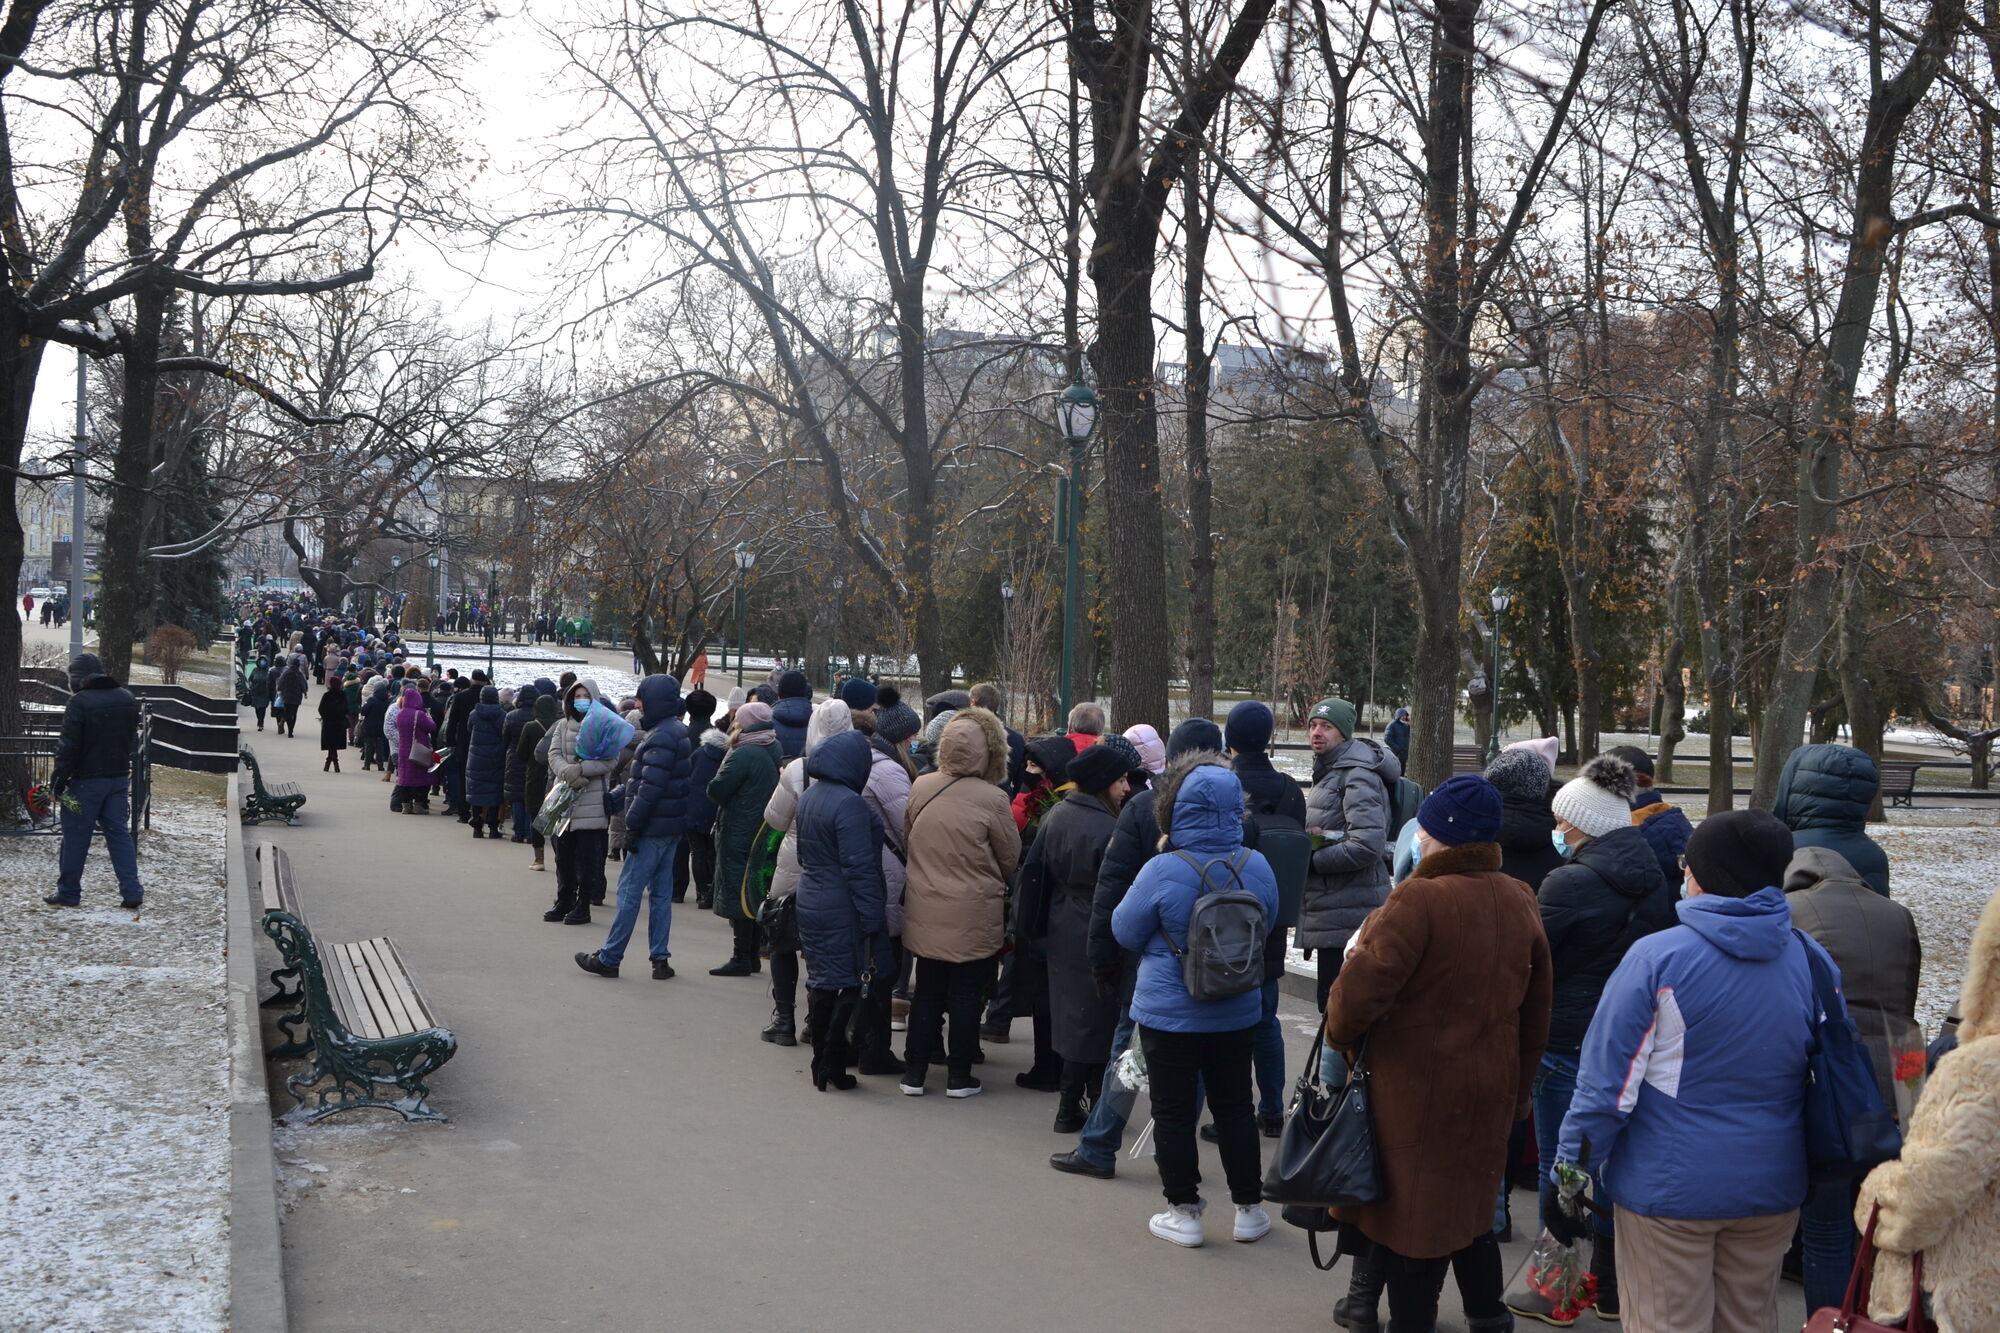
(1556, 1220)
(1106, 976)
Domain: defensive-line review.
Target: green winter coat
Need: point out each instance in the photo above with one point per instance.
(740, 791)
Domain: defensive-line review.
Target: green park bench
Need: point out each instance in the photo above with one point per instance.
(275, 800)
(369, 1025)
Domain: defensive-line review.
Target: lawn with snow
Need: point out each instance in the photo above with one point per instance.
(114, 1057)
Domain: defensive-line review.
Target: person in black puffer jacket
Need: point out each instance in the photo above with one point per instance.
(514, 779)
(792, 711)
(1526, 821)
(93, 768)
(655, 797)
(842, 899)
(1272, 800)
(1823, 797)
(1607, 895)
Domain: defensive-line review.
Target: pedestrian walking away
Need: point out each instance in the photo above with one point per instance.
(92, 781)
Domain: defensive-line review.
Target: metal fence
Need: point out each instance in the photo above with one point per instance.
(27, 767)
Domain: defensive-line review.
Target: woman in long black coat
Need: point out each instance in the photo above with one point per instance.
(374, 740)
(291, 693)
(332, 726)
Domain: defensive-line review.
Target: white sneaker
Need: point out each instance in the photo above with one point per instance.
(899, 1025)
(912, 1089)
(1252, 1222)
(1181, 1224)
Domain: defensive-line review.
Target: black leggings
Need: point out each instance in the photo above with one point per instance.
(1414, 1284)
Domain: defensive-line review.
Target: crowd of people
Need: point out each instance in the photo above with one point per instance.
(1568, 974)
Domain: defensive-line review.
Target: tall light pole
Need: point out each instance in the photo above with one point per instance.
(1007, 637)
(1076, 414)
(78, 498)
(392, 613)
(487, 619)
(1500, 601)
(833, 665)
(744, 559)
(430, 627)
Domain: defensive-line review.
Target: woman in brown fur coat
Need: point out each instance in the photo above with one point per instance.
(1942, 1196)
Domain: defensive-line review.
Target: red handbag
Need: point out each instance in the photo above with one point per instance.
(1852, 1316)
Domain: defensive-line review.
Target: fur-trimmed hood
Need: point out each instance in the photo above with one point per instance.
(974, 744)
(1468, 858)
(1979, 999)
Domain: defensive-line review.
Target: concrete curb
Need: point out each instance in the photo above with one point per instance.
(256, 1259)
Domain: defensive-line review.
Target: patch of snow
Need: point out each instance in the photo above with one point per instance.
(1945, 877)
(114, 1151)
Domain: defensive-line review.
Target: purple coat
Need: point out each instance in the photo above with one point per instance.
(416, 724)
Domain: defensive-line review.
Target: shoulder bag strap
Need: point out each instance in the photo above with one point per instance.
(910, 824)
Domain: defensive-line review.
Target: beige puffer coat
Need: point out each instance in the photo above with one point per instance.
(1942, 1196)
(589, 810)
(959, 836)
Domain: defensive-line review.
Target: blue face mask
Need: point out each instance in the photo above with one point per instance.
(1684, 888)
(1563, 849)
(580, 704)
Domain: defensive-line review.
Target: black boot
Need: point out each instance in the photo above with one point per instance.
(1069, 1111)
(742, 954)
(1498, 1323)
(781, 1032)
(1359, 1310)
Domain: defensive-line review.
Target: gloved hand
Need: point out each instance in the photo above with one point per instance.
(1556, 1219)
(1107, 976)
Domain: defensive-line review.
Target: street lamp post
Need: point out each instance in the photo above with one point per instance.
(833, 665)
(745, 558)
(491, 586)
(430, 628)
(1076, 414)
(1007, 635)
(1500, 601)
(390, 614)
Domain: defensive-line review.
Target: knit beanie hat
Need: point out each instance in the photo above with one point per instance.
(1544, 749)
(794, 685)
(1054, 755)
(857, 693)
(1337, 711)
(934, 728)
(895, 722)
(1641, 761)
(1463, 809)
(1599, 799)
(1152, 750)
(1128, 753)
(1197, 733)
(1738, 852)
(1100, 765)
(1250, 727)
(1520, 775)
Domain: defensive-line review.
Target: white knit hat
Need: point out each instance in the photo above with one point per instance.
(1599, 799)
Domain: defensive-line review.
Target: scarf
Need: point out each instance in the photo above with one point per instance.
(603, 733)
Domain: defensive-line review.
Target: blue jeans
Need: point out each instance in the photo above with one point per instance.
(101, 803)
(1826, 1227)
(1104, 1132)
(1554, 1087)
(1267, 1054)
(520, 819)
(648, 869)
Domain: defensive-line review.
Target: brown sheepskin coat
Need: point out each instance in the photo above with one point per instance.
(1450, 982)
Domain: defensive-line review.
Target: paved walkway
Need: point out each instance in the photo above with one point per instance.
(628, 1151)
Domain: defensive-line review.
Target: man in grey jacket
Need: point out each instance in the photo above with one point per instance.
(1347, 815)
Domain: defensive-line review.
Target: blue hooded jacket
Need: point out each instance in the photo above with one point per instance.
(1691, 1086)
(655, 794)
(1206, 823)
(1823, 796)
(790, 715)
(842, 899)
(486, 750)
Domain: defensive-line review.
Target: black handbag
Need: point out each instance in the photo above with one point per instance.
(778, 924)
(1326, 1157)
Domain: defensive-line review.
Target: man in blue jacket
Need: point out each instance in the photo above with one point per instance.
(655, 798)
(1690, 1094)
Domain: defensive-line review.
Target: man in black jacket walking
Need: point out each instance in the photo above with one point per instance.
(93, 769)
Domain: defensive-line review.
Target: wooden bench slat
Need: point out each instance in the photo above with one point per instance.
(396, 979)
(354, 1011)
(421, 1004)
(383, 978)
(366, 992)
(267, 876)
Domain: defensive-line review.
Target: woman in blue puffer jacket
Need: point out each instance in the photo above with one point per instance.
(1187, 1041)
(486, 762)
(842, 900)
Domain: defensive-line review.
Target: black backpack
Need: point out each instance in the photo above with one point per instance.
(1227, 930)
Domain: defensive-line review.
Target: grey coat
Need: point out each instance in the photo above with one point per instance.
(1872, 939)
(1349, 874)
(588, 776)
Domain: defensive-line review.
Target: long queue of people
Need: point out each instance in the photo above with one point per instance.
(1569, 974)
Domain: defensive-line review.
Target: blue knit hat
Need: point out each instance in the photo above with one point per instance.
(1249, 727)
(1463, 809)
(857, 693)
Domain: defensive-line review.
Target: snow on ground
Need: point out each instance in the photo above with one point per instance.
(1945, 877)
(114, 1058)
(612, 684)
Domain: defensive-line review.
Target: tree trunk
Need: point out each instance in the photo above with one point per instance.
(126, 574)
(1864, 707)
(1673, 700)
(1809, 605)
(1198, 223)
